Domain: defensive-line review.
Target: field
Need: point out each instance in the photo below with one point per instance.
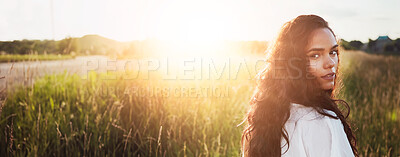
(71, 115)
(372, 88)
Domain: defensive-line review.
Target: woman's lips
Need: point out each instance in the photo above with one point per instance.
(329, 76)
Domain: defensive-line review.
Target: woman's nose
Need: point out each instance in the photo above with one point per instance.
(329, 62)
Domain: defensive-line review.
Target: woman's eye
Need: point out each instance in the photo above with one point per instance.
(314, 56)
(334, 52)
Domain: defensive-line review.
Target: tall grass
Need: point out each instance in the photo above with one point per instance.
(372, 88)
(65, 115)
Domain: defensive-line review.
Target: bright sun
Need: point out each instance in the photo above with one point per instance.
(185, 23)
(195, 32)
(191, 28)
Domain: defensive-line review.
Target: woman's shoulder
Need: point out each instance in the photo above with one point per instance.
(313, 134)
(299, 112)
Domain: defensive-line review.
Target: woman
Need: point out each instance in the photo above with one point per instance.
(293, 111)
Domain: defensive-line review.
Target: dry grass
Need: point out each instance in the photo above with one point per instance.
(65, 115)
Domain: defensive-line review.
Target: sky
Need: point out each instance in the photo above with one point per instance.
(127, 20)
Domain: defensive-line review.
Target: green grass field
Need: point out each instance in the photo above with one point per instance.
(65, 115)
(372, 88)
(18, 58)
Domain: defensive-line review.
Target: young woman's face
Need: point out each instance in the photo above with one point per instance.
(323, 58)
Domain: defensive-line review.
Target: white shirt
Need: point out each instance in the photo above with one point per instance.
(312, 134)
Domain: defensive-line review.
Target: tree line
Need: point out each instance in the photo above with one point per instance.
(98, 45)
(383, 45)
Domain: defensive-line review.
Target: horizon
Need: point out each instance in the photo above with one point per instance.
(182, 20)
(166, 40)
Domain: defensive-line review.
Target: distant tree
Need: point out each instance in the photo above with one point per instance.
(389, 47)
(25, 46)
(371, 44)
(355, 44)
(397, 44)
(345, 44)
(5, 47)
(67, 45)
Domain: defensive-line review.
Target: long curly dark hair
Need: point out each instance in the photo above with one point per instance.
(286, 80)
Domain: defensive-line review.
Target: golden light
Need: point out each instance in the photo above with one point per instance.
(194, 32)
(187, 28)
